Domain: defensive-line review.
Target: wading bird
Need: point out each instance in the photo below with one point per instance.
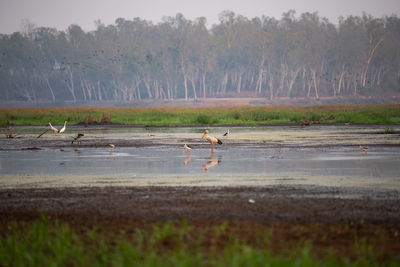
(227, 133)
(54, 129)
(112, 146)
(364, 148)
(213, 140)
(188, 148)
(78, 138)
(63, 128)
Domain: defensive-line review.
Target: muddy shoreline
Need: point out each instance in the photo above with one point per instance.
(252, 204)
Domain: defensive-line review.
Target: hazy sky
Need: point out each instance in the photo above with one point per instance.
(62, 13)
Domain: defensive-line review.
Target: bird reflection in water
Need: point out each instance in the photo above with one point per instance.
(212, 162)
(188, 159)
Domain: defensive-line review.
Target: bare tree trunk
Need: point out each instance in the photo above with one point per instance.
(293, 78)
(193, 86)
(371, 54)
(224, 83)
(147, 85)
(99, 95)
(70, 84)
(271, 87)
(283, 77)
(83, 89)
(313, 73)
(46, 79)
(239, 83)
(185, 86)
(341, 80)
(204, 85)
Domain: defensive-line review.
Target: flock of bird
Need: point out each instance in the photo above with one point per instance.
(78, 139)
(211, 139)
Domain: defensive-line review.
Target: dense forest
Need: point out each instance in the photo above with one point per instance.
(132, 60)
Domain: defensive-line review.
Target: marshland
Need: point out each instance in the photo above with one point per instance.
(276, 191)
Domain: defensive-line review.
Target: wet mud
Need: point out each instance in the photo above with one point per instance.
(258, 204)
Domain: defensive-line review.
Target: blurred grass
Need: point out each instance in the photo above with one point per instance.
(41, 243)
(186, 116)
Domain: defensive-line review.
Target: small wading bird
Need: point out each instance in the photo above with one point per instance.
(364, 148)
(188, 148)
(213, 140)
(78, 138)
(112, 146)
(227, 133)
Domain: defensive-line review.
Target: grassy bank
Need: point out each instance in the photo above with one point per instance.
(42, 243)
(183, 116)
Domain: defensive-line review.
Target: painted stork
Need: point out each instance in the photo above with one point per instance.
(213, 140)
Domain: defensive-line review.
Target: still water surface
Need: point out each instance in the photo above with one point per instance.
(231, 166)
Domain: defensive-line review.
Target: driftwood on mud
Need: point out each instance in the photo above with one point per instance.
(43, 133)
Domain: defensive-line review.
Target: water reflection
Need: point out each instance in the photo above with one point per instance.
(211, 163)
(337, 166)
(188, 159)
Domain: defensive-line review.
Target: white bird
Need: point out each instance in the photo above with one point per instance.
(63, 128)
(54, 129)
(227, 133)
(213, 140)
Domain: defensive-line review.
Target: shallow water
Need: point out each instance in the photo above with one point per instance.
(306, 161)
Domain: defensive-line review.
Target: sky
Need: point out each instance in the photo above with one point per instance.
(60, 14)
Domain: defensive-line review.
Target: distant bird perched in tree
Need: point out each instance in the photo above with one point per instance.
(54, 129)
(188, 148)
(227, 133)
(63, 128)
(78, 138)
(213, 140)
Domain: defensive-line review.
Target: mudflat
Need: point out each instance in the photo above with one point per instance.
(258, 204)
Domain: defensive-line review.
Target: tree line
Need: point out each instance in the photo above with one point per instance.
(131, 60)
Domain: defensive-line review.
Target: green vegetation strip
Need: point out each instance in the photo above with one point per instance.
(44, 243)
(213, 116)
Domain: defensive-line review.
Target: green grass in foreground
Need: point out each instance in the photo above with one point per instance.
(55, 244)
(184, 116)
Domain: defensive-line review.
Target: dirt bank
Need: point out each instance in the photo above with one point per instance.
(264, 204)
